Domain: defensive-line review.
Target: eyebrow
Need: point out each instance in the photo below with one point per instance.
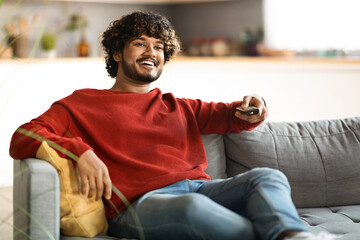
(143, 39)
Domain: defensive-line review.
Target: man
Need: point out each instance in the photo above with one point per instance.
(148, 145)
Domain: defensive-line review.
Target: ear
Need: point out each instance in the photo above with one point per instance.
(117, 56)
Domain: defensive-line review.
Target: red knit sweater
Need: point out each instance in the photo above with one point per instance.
(147, 140)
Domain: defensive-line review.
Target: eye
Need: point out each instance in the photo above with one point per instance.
(159, 48)
(139, 44)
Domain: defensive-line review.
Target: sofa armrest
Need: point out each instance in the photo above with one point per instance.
(36, 200)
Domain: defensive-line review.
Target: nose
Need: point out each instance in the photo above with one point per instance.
(150, 50)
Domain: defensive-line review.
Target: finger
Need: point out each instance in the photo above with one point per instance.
(108, 185)
(254, 119)
(251, 119)
(262, 112)
(242, 116)
(84, 185)
(100, 187)
(246, 101)
(253, 101)
(258, 117)
(92, 187)
(259, 102)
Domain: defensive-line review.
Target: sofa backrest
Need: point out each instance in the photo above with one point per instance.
(215, 153)
(321, 159)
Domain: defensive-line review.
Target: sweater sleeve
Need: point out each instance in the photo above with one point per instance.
(52, 126)
(218, 117)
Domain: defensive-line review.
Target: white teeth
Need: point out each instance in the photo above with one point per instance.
(148, 63)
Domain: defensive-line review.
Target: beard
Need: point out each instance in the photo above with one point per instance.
(131, 72)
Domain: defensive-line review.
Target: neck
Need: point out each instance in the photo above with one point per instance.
(126, 86)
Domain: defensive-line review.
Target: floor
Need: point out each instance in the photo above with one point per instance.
(6, 218)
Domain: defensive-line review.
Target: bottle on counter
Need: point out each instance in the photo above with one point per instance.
(83, 47)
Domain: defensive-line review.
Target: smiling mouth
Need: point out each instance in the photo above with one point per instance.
(148, 62)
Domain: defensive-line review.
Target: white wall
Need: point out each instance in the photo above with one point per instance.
(294, 90)
(27, 89)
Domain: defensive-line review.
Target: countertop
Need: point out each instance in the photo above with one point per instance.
(303, 60)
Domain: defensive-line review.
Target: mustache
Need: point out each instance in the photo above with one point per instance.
(148, 59)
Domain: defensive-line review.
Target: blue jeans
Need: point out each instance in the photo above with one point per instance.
(249, 206)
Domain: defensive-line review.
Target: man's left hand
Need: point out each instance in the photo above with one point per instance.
(256, 101)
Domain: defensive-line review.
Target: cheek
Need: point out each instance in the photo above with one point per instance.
(161, 58)
(130, 55)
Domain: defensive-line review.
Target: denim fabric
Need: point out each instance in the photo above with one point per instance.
(248, 206)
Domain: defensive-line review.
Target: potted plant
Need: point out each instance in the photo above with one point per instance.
(249, 40)
(48, 45)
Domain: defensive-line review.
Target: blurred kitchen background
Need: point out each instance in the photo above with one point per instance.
(302, 56)
(71, 28)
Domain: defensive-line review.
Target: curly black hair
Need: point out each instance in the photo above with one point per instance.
(134, 25)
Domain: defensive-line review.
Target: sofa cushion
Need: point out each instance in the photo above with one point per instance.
(321, 159)
(215, 152)
(342, 220)
(79, 215)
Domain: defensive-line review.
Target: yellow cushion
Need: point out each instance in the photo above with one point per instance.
(80, 216)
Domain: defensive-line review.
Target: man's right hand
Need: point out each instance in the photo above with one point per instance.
(95, 175)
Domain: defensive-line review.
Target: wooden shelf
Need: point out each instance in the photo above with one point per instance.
(290, 60)
(343, 60)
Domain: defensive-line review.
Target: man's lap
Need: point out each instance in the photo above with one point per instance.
(193, 209)
(178, 211)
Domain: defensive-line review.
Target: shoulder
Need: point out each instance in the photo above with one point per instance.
(80, 97)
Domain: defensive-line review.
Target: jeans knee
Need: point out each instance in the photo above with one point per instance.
(207, 219)
(190, 204)
(269, 176)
